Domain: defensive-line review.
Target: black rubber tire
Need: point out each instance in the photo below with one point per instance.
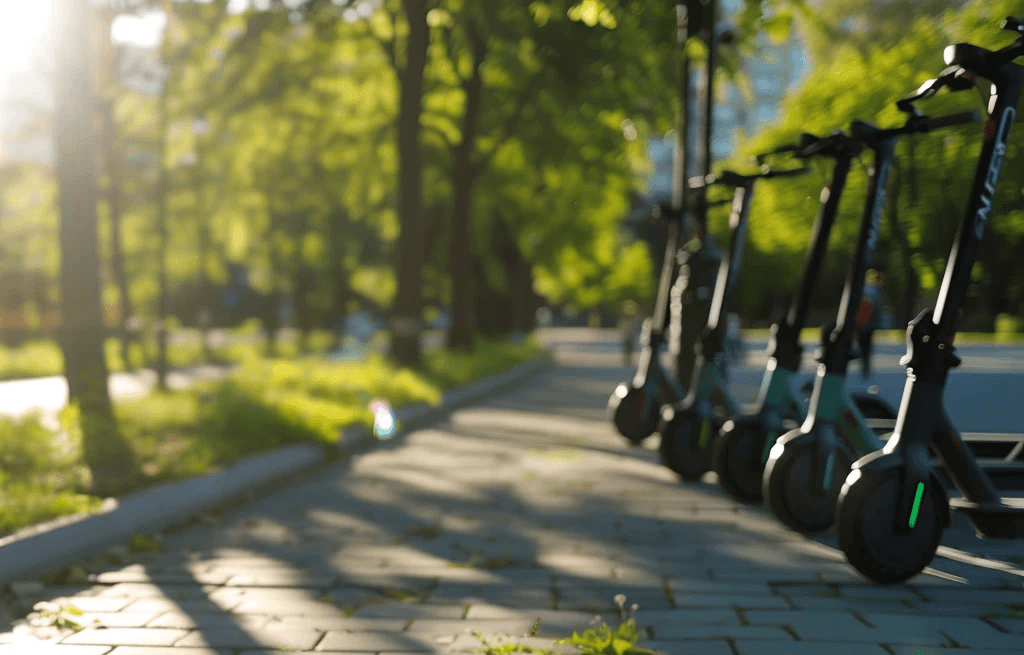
(680, 447)
(738, 461)
(866, 534)
(632, 418)
(786, 488)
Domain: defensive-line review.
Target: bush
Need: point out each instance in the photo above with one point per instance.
(28, 448)
(452, 368)
(1007, 327)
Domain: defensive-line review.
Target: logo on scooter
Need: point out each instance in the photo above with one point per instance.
(989, 190)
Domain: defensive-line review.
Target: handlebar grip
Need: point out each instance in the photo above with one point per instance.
(949, 120)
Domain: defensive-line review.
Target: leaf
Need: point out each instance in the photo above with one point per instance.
(779, 27)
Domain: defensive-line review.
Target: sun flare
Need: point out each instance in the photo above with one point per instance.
(24, 28)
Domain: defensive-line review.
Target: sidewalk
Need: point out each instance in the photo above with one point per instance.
(522, 514)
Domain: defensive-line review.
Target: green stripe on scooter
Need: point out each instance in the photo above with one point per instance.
(705, 432)
(917, 504)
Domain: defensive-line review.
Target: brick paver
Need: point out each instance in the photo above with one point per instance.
(520, 518)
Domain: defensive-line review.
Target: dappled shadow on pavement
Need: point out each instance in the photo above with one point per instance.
(522, 514)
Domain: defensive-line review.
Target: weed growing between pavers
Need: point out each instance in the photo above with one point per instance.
(502, 647)
(49, 621)
(603, 640)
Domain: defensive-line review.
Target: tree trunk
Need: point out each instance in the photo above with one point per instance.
(406, 319)
(339, 275)
(463, 172)
(107, 72)
(106, 452)
(273, 322)
(113, 193)
(304, 319)
(203, 237)
(162, 193)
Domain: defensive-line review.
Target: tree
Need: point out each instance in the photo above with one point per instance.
(107, 454)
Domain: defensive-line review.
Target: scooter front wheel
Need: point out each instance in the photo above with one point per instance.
(738, 459)
(866, 525)
(634, 411)
(686, 443)
(790, 492)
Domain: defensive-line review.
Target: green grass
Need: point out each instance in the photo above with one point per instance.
(44, 358)
(263, 404)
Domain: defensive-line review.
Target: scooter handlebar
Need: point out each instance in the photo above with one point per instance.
(961, 118)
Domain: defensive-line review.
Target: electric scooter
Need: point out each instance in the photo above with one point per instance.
(804, 465)
(688, 425)
(892, 507)
(741, 448)
(634, 407)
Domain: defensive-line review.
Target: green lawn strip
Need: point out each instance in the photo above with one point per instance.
(43, 357)
(262, 405)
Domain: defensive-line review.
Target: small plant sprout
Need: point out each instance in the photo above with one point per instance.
(602, 640)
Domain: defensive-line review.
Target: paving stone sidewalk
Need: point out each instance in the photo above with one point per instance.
(524, 515)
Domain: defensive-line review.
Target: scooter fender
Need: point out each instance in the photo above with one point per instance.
(794, 439)
(912, 469)
(823, 465)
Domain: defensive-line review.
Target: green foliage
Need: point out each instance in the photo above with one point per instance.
(501, 645)
(27, 447)
(605, 641)
(30, 360)
(928, 186)
(449, 369)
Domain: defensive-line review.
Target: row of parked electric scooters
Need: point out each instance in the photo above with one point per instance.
(836, 457)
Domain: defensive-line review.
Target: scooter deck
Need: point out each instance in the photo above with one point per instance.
(1001, 456)
(1003, 519)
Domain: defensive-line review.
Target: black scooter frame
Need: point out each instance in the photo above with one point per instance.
(922, 422)
(689, 454)
(634, 407)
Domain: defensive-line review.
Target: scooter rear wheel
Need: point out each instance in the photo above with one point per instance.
(787, 487)
(686, 443)
(866, 521)
(738, 460)
(635, 411)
